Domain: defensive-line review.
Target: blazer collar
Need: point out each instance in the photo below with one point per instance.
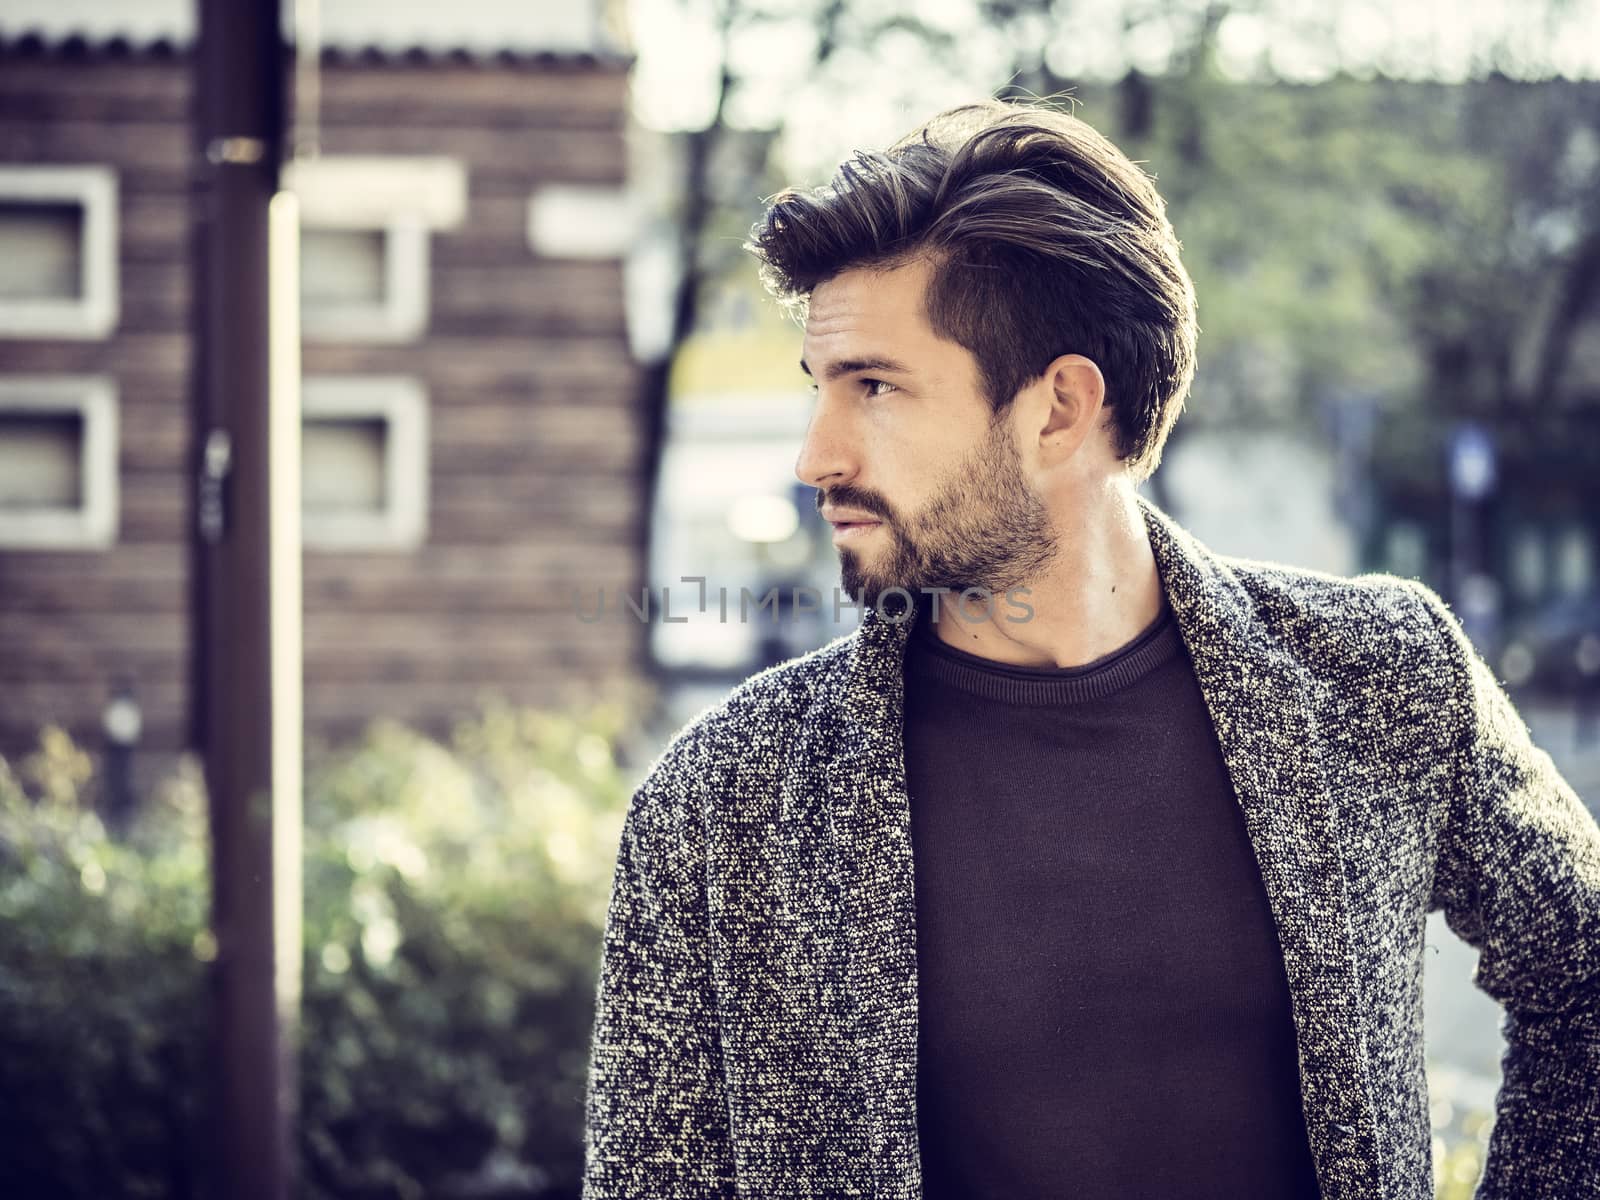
(1262, 706)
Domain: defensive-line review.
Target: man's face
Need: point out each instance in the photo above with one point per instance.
(902, 434)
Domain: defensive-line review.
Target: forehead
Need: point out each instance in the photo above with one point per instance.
(866, 322)
(875, 318)
(869, 302)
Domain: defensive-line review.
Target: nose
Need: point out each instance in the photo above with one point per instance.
(827, 453)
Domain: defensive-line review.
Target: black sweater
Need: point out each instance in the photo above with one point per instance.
(1103, 1009)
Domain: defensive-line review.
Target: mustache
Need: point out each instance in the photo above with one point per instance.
(846, 498)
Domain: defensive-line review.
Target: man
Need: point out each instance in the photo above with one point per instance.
(1104, 872)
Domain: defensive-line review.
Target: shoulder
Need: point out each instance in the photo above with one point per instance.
(759, 720)
(1336, 621)
(1378, 648)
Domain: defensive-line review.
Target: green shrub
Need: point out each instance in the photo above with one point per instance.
(454, 898)
(101, 992)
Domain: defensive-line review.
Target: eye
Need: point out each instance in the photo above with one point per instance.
(877, 387)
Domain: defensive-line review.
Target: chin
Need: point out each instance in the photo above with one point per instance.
(868, 587)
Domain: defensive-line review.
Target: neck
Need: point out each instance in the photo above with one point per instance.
(1100, 591)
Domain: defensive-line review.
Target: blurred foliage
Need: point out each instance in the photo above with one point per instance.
(101, 989)
(1457, 1169)
(454, 899)
(1462, 1125)
(454, 903)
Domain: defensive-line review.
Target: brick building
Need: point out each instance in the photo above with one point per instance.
(470, 445)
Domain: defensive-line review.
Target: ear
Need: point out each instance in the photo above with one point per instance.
(1074, 392)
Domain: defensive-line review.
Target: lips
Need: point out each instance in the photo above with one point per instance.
(849, 531)
(840, 518)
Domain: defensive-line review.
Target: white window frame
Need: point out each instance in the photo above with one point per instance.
(93, 524)
(402, 404)
(402, 197)
(402, 315)
(92, 314)
(579, 221)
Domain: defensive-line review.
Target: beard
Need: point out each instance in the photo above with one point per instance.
(984, 528)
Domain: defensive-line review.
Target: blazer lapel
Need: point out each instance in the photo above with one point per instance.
(871, 816)
(1261, 705)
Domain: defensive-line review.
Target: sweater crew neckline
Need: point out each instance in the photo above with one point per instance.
(930, 660)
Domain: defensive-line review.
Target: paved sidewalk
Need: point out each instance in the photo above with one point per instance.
(1571, 736)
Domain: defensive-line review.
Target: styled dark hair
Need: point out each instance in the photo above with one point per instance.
(1044, 240)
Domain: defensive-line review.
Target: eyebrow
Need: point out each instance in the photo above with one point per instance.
(850, 366)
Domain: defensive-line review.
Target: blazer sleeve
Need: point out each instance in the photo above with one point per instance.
(1518, 877)
(655, 1111)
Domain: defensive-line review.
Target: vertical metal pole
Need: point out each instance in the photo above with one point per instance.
(239, 120)
(287, 643)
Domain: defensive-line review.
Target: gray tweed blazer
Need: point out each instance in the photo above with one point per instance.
(756, 1023)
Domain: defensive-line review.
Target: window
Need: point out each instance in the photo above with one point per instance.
(364, 463)
(365, 224)
(365, 284)
(575, 221)
(58, 462)
(58, 251)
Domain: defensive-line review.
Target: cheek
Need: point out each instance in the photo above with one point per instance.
(919, 448)
(916, 454)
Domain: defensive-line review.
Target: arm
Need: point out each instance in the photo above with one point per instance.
(1518, 877)
(656, 1114)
